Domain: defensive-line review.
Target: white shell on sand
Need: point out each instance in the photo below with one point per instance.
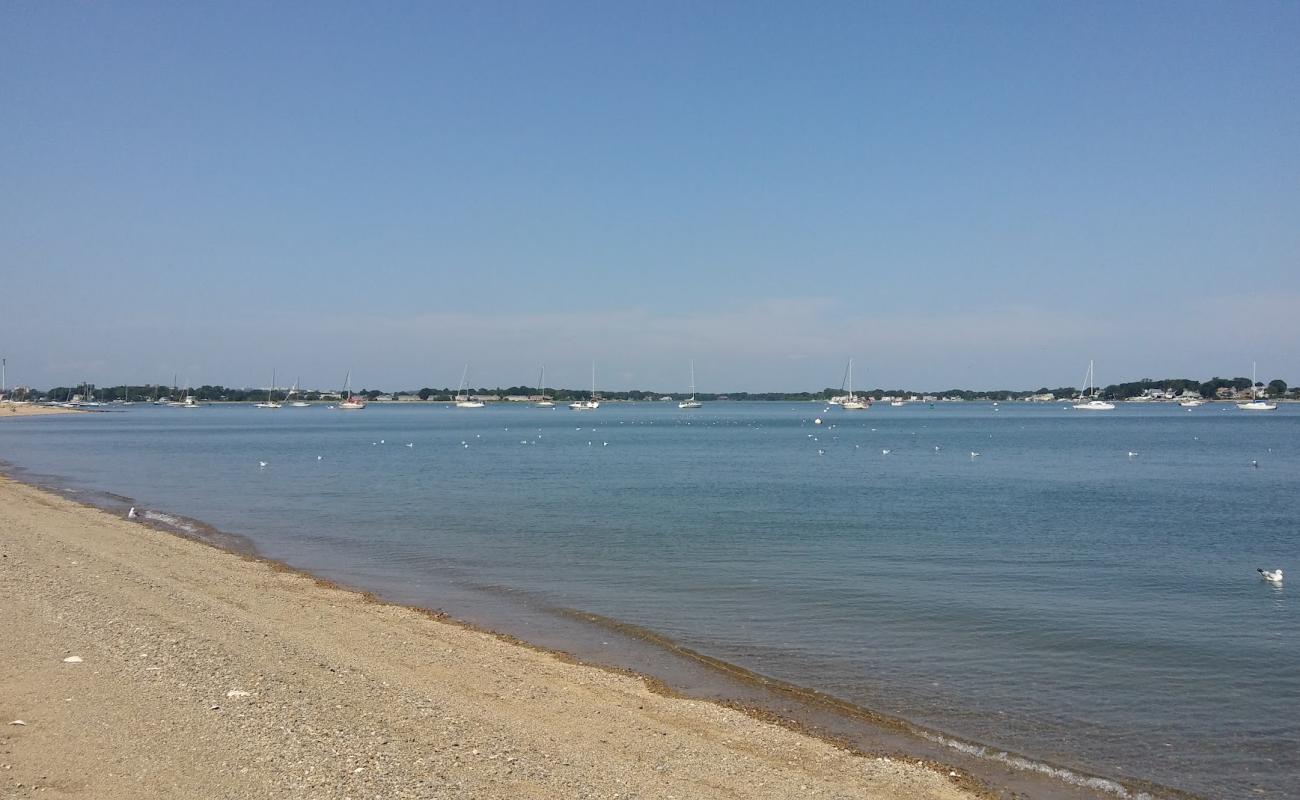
(18, 722)
(237, 693)
(72, 660)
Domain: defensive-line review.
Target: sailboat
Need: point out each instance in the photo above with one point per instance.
(464, 400)
(269, 402)
(692, 402)
(1256, 404)
(544, 402)
(296, 403)
(351, 402)
(852, 402)
(189, 400)
(1094, 404)
(591, 404)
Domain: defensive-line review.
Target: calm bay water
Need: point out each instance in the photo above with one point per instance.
(1054, 595)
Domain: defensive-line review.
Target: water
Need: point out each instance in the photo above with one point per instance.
(1053, 596)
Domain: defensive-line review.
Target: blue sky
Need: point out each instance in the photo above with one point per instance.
(956, 194)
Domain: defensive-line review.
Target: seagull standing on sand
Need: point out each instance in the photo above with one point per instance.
(1271, 575)
(131, 514)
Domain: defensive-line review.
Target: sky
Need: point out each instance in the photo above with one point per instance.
(981, 195)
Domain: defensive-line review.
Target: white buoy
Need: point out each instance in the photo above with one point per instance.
(817, 421)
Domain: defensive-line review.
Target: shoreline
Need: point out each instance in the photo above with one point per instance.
(976, 768)
(206, 672)
(10, 409)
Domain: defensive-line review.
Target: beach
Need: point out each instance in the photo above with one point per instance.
(8, 410)
(207, 673)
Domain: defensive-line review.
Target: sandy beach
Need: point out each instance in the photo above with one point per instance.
(206, 674)
(8, 410)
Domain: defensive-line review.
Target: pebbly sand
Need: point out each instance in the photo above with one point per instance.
(207, 674)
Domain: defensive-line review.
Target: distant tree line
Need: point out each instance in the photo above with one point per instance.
(1118, 391)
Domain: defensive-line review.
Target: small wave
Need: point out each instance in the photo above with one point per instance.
(172, 521)
(1020, 762)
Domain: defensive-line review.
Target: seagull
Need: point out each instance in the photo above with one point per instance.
(1255, 464)
(131, 514)
(936, 448)
(381, 441)
(974, 455)
(262, 464)
(318, 458)
(821, 452)
(1270, 575)
(1131, 454)
(884, 452)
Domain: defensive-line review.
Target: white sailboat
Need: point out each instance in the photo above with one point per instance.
(544, 402)
(270, 403)
(1256, 403)
(851, 402)
(350, 401)
(1094, 404)
(296, 403)
(463, 400)
(591, 404)
(692, 402)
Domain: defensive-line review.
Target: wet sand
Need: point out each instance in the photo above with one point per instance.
(204, 673)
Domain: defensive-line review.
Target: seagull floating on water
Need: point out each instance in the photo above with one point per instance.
(262, 464)
(1131, 454)
(884, 452)
(974, 454)
(1270, 575)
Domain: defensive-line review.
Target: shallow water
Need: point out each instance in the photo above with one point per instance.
(1054, 595)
